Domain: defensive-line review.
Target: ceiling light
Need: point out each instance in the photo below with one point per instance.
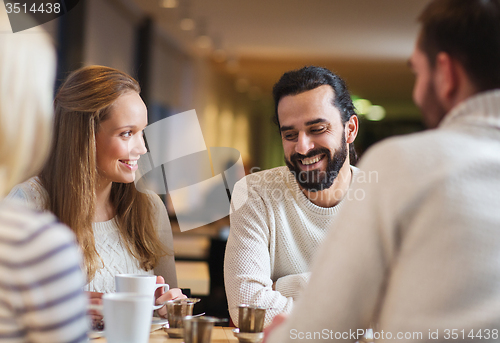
(187, 24)
(204, 42)
(361, 106)
(375, 113)
(169, 3)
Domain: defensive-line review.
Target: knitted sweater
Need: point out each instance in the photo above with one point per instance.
(275, 231)
(109, 245)
(421, 252)
(41, 297)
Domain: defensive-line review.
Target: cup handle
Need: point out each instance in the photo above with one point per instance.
(167, 287)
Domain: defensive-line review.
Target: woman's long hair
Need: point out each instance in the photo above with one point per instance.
(70, 174)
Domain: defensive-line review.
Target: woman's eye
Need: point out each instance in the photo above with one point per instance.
(126, 134)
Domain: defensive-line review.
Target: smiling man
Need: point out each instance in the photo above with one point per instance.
(284, 213)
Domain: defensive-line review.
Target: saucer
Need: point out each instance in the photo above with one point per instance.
(95, 334)
(157, 323)
(175, 332)
(248, 337)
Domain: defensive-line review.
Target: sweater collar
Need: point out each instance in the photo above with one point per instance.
(482, 109)
(301, 198)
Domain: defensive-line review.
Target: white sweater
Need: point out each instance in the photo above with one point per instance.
(421, 252)
(274, 234)
(109, 245)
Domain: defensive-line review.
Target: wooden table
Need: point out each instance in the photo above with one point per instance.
(219, 335)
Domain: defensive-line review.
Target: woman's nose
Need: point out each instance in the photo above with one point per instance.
(139, 145)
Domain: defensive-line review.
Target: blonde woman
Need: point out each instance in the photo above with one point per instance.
(41, 296)
(88, 181)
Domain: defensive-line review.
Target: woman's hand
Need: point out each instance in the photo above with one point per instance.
(161, 296)
(95, 299)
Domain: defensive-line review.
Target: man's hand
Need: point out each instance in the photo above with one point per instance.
(277, 321)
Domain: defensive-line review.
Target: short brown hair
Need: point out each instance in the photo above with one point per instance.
(467, 30)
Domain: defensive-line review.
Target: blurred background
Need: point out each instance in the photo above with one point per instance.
(222, 57)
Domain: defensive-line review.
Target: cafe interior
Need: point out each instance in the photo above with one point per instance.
(221, 58)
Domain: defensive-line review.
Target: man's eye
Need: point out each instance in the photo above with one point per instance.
(318, 129)
(289, 136)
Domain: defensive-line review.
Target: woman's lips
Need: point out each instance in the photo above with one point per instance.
(130, 164)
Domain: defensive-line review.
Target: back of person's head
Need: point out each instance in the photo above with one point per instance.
(298, 81)
(27, 75)
(467, 30)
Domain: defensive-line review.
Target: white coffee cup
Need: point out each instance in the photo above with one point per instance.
(128, 317)
(140, 284)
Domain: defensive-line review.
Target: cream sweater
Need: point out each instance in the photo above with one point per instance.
(109, 245)
(421, 252)
(274, 234)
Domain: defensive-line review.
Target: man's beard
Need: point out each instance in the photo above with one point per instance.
(318, 180)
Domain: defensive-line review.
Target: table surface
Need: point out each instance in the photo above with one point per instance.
(219, 335)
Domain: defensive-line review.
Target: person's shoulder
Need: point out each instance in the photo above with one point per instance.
(154, 198)
(402, 148)
(411, 157)
(19, 222)
(33, 185)
(31, 192)
(403, 141)
(156, 201)
(269, 178)
(428, 146)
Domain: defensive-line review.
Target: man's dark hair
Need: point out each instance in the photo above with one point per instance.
(467, 30)
(298, 81)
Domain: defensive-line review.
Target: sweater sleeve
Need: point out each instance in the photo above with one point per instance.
(30, 192)
(45, 284)
(247, 264)
(18, 192)
(292, 285)
(166, 265)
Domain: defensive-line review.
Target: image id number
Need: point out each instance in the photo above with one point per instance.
(42, 8)
(478, 334)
